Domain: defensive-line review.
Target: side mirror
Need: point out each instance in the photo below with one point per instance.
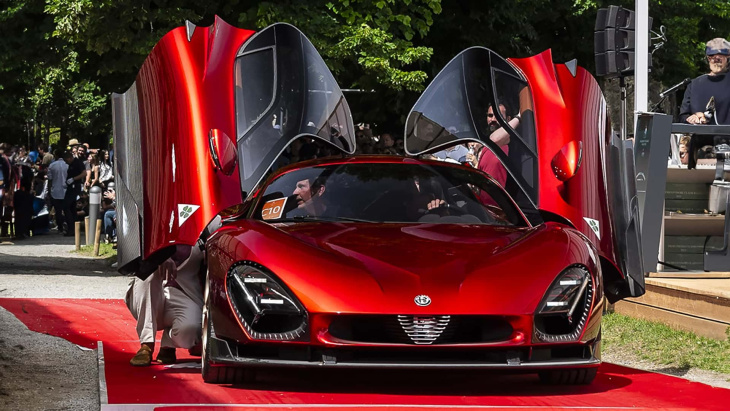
(567, 161)
(222, 151)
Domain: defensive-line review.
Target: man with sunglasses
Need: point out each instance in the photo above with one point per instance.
(707, 97)
(714, 85)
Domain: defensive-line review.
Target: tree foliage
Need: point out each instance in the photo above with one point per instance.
(60, 59)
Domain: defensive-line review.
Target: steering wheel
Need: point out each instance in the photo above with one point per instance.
(445, 207)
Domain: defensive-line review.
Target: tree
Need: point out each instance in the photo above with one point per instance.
(367, 44)
(42, 83)
(60, 59)
(20, 51)
(525, 27)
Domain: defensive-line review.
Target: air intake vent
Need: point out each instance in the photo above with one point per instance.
(424, 329)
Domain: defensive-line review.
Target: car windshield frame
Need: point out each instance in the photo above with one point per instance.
(453, 108)
(284, 90)
(497, 208)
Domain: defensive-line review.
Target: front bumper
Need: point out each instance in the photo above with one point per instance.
(225, 353)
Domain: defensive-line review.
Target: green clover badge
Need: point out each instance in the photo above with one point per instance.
(186, 211)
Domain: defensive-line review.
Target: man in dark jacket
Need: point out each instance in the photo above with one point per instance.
(715, 85)
(707, 97)
(74, 184)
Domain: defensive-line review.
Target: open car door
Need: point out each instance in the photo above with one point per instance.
(561, 158)
(284, 90)
(210, 112)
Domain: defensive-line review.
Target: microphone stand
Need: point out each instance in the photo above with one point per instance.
(669, 91)
(658, 104)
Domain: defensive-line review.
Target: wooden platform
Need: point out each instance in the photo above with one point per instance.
(700, 305)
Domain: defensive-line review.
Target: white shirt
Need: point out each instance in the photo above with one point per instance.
(105, 172)
(455, 153)
(57, 173)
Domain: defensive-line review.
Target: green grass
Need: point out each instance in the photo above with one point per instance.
(105, 250)
(664, 345)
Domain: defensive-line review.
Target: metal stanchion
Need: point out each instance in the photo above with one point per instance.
(94, 204)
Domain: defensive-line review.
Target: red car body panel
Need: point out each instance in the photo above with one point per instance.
(573, 105)
(171, 189)
(338, 269)
(183, 91)
(561, 156)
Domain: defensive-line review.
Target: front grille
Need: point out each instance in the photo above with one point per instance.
(420, 330)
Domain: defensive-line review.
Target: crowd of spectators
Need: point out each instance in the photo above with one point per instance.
(47, 190)
(306, 148)
(44, 190)
(386, 143)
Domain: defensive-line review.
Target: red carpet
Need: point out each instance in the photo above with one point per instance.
(84, 322)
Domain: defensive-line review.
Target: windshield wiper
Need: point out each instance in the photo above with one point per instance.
(320, 218)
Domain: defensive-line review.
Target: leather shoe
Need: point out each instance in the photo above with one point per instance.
(143, 357)
(166, 355)
(196, 350)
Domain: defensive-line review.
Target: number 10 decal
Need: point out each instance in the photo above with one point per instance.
(273, 209)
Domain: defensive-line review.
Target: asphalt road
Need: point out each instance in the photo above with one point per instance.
(38, 371)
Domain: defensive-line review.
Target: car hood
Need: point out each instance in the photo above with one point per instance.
(381, 268)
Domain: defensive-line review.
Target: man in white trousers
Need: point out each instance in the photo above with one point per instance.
(171, 299)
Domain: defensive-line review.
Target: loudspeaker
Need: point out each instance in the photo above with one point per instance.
(614, 17)
(615, 63)
(614, 42)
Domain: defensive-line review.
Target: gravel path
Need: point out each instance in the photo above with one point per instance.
(45, 267)
(38, 371)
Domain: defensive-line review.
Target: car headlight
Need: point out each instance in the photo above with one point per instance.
(267, 310)
(563, 311)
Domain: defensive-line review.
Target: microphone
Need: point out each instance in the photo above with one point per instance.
(710, 109)
(675, 87)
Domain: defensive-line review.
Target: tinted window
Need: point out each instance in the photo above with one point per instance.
(326, 113)
(286, 91)
(457, 106)
(254, 87)
(383, 192)
(442, 114)
(514, 94)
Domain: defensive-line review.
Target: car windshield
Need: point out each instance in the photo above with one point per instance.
(387, 192)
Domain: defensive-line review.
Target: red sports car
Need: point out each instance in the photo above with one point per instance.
(378, 261)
